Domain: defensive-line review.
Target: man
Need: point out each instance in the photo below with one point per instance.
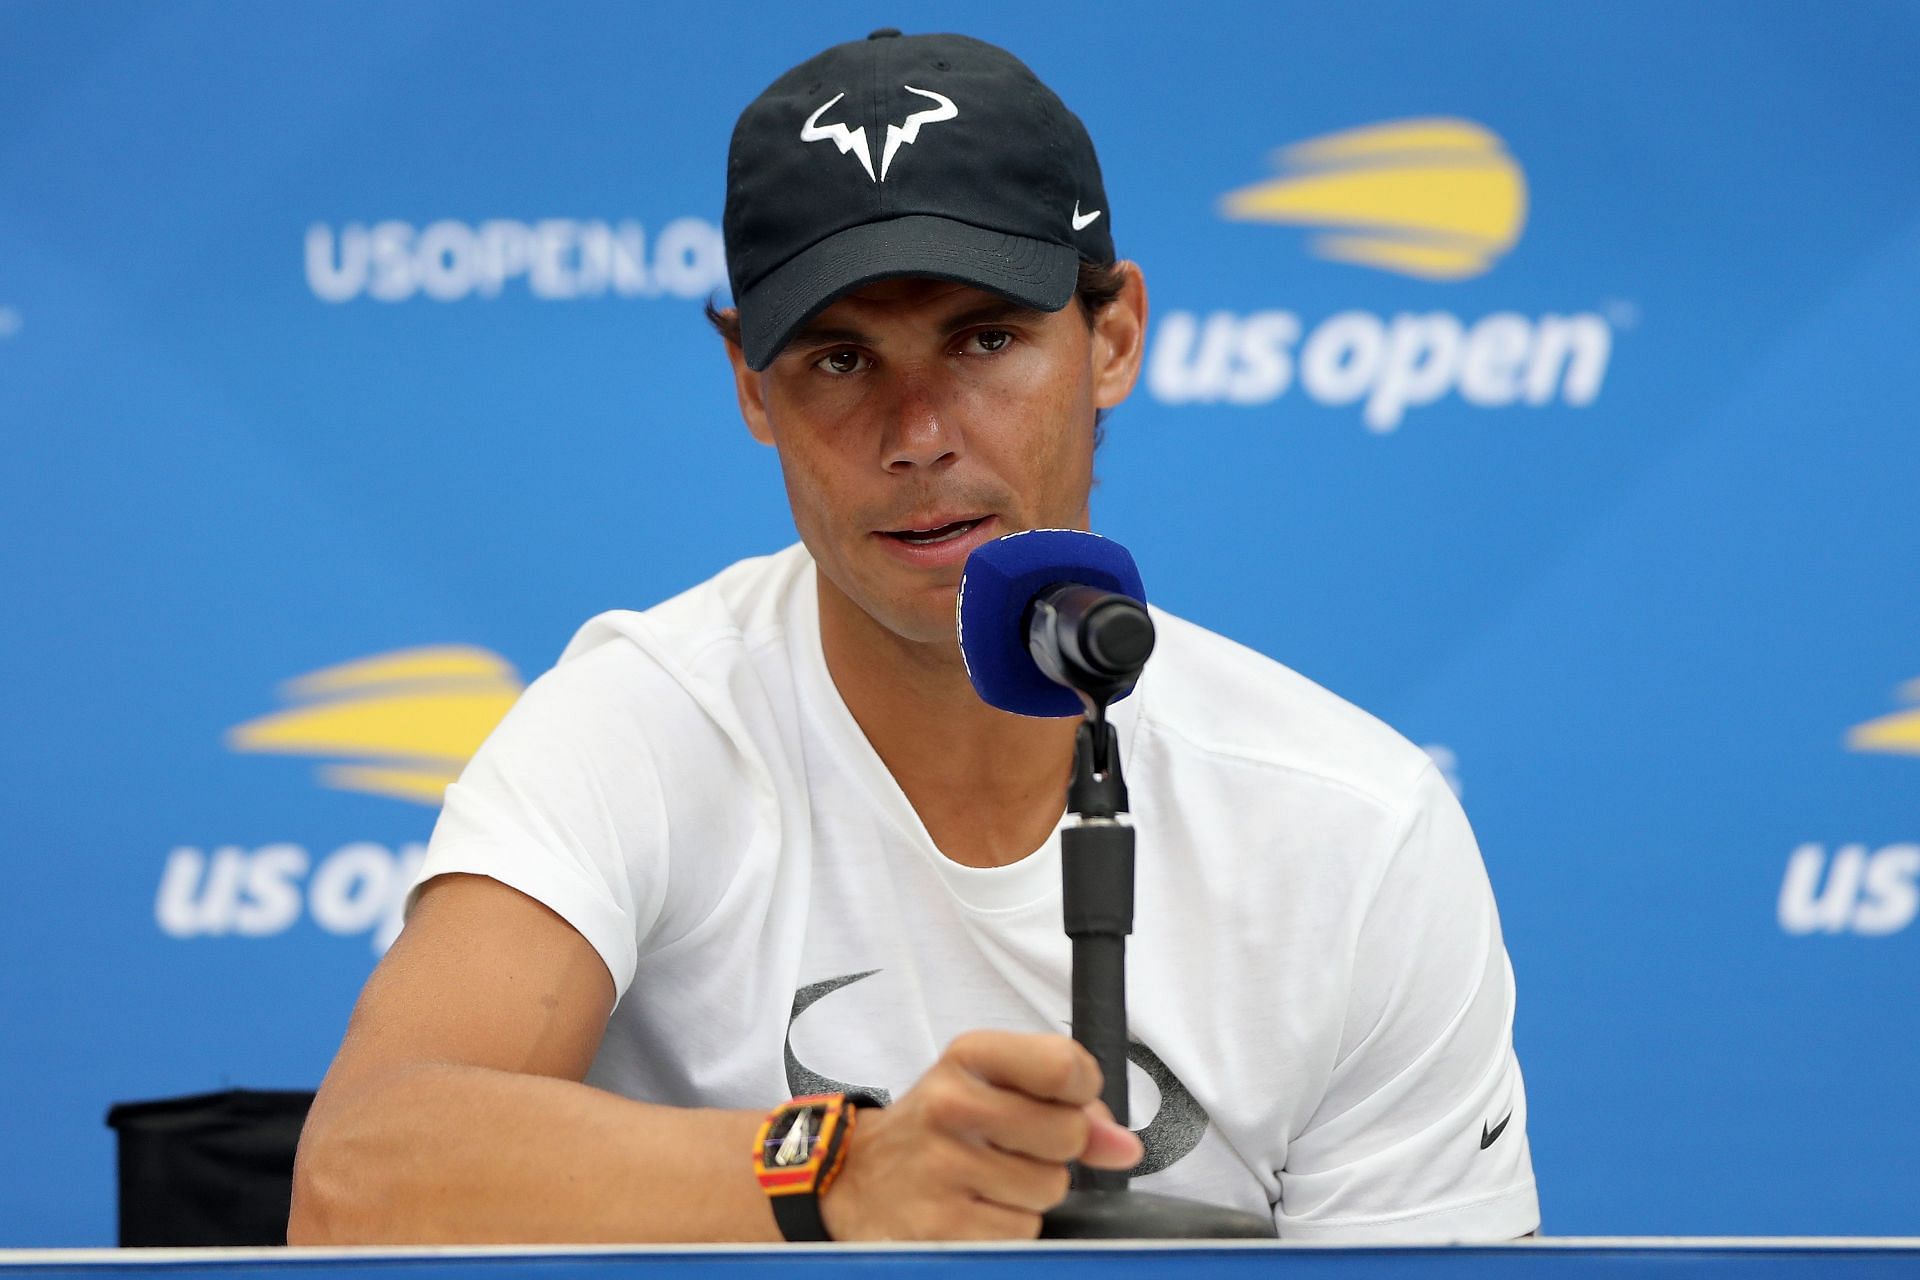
(764, 840)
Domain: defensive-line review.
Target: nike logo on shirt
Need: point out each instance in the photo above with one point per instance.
(1176, 1129)
(1490, 1136)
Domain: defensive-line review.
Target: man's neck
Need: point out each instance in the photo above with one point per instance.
(988, 785)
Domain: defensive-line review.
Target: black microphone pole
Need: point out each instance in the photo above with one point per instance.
(1096, 643)
(1096, 867)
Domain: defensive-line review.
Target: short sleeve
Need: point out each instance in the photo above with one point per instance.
(563, 803)
(1421, 1134)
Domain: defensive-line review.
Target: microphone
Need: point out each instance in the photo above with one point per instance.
(1053, 622)
(1049, 617)
(1088, 639)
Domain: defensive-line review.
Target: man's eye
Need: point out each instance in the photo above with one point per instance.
(841, 362)
(992, 339)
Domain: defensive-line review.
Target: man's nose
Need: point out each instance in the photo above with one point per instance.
(920, 433)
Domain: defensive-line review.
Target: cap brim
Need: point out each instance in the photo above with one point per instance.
(1033, 273)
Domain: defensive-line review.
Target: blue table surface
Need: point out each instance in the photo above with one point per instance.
(1662, 1256)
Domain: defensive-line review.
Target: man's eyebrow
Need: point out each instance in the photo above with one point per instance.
(999, 310)
(815, 334)
(1002, 310)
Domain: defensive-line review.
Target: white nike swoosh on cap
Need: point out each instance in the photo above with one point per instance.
(1081, 221)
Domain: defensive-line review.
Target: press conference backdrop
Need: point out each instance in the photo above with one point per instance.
(1540, 377)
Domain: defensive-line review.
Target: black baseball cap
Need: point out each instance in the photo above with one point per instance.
(936, 155)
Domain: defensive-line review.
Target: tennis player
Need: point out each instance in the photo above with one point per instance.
(745, 924)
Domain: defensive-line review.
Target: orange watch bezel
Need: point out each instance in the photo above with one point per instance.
(828, 1149)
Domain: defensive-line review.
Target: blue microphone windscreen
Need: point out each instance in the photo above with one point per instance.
(1000, 580)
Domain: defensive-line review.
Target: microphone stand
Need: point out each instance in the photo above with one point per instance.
(1096, 857)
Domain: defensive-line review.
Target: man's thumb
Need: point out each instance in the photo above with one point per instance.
(1110, 1144)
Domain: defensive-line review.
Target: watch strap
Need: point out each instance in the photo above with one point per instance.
(798, 1217)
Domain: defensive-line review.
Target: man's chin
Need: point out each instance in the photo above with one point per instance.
(919, 622)
(921, 614)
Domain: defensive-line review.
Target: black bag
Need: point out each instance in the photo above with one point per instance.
(211, 1169)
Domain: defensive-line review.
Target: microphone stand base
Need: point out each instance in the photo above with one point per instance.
(1142, 1215)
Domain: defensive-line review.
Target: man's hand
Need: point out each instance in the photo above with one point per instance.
(978, 1148)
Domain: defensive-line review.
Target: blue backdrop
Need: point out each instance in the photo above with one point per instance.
(1548, 369)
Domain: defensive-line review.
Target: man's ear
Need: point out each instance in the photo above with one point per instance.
(747, 389)
(1119, 339)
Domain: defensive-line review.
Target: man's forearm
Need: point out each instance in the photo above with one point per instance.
(447, 1154)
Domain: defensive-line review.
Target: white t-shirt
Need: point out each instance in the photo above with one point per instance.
(1317, 983)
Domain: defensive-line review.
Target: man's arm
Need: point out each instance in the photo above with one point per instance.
(454, 1110)
(455, 1113)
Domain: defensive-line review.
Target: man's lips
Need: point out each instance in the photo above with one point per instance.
(936, 528)
(938, 538)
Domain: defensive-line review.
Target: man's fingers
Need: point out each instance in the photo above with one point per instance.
(1052, 1068)
(1017, 1182)
(1055, 1073)
(981, 1146)
(1014, 1122)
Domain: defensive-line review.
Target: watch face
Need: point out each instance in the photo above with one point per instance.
(791, 1138)
(796, 1143)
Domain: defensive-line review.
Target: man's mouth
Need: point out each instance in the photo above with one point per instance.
(935, 535)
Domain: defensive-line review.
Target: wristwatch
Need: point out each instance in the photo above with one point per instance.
(798, 1152)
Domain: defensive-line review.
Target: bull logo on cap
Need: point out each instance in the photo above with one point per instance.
(905, 133)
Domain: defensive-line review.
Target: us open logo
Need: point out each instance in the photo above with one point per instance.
(400, 725)
(1857, 888)
(1437, 201)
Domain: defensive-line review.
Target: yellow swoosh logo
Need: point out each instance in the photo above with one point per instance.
(1898, 733)
(1438, 199)
(403, 723)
